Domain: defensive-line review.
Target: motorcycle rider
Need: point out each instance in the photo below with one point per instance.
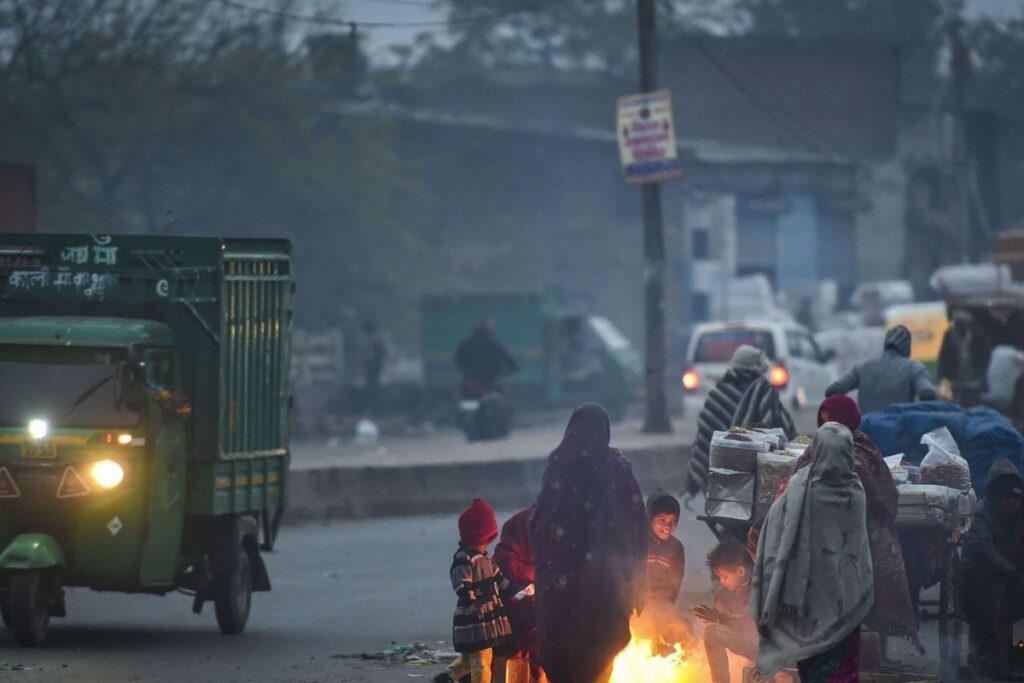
(483, 360)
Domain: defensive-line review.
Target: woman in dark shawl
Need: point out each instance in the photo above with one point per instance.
(589, 535)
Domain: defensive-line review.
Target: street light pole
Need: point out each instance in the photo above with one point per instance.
(656, 418)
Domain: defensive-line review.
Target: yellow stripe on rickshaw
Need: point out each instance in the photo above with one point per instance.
(257, 479)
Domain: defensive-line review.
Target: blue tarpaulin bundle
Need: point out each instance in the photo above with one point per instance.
(982, 434)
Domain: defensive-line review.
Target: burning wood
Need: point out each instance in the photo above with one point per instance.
(639, 661)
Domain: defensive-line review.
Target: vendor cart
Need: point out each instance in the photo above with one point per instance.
(931, 522)
(748, 467)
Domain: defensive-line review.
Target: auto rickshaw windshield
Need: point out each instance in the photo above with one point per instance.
(71, 388)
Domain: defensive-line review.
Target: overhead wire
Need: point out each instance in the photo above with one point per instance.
(786, 121)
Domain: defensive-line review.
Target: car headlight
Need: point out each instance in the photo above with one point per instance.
(106, 474)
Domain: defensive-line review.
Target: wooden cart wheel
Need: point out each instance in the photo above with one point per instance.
(950, 627)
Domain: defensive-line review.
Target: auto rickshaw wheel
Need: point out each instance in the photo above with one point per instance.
(232, 596)
(29, 607)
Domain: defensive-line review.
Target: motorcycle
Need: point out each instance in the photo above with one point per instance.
(484, 412)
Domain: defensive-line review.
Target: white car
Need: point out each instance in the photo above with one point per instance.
(798, 368)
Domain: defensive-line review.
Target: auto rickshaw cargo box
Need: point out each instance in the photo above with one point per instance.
(144, 418)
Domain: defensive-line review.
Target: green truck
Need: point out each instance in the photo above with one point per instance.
(564, 356)
(144, 419)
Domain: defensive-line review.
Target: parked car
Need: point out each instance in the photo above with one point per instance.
(799, 369)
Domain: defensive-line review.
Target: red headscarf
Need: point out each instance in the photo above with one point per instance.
(841, 409)
(589, 534)
(514, 556)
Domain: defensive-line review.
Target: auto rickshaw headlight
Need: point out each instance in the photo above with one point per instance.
(38, 429)
(107, 474)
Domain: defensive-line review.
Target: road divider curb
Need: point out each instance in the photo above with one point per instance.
(363, 492)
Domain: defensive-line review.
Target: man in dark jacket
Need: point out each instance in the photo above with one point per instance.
(963, 359)
(483, 359)
(993, 553)
(893, 378)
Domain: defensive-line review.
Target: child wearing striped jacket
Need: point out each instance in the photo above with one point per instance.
(480, 623)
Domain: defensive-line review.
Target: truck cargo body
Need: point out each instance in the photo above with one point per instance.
(228, 304)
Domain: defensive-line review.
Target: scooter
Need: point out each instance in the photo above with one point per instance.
(484, 412)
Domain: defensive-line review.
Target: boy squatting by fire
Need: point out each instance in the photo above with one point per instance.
(730, 628)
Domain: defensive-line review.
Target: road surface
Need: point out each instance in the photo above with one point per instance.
(339, 589)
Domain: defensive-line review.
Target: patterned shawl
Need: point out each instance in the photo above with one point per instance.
(762, 406)
(893, 613)
(716, 415)
(812, 584)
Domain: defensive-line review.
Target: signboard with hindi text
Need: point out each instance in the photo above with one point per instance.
(647, 138)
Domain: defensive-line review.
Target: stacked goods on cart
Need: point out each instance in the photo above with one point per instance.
(736, 450)
(944, 496)
(747, 467)
(731, 477)
(928, 505)
(773, 470)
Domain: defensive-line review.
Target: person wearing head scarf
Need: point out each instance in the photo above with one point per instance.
(812, 584)
(589, 535)
(893, 614)
(743, 397)
(892, 378)
(514, 556)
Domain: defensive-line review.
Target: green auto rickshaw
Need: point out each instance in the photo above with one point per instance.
(144, 419)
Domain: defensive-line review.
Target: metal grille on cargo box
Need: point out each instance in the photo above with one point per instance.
(257, 290)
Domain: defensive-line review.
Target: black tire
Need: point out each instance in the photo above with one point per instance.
(5, 612)
(30, 608)
(232, 596)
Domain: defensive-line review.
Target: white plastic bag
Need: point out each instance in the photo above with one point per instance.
(943, 465)
(941, 446)
(894, 461)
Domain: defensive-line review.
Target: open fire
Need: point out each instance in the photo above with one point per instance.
(640, 662)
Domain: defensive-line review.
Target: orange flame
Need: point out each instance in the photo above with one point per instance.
(638, 662)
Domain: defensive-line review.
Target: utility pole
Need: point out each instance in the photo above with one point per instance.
(960, 73)
(656, 418)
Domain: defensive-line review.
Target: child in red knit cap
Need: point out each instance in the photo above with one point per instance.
(480, 622)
